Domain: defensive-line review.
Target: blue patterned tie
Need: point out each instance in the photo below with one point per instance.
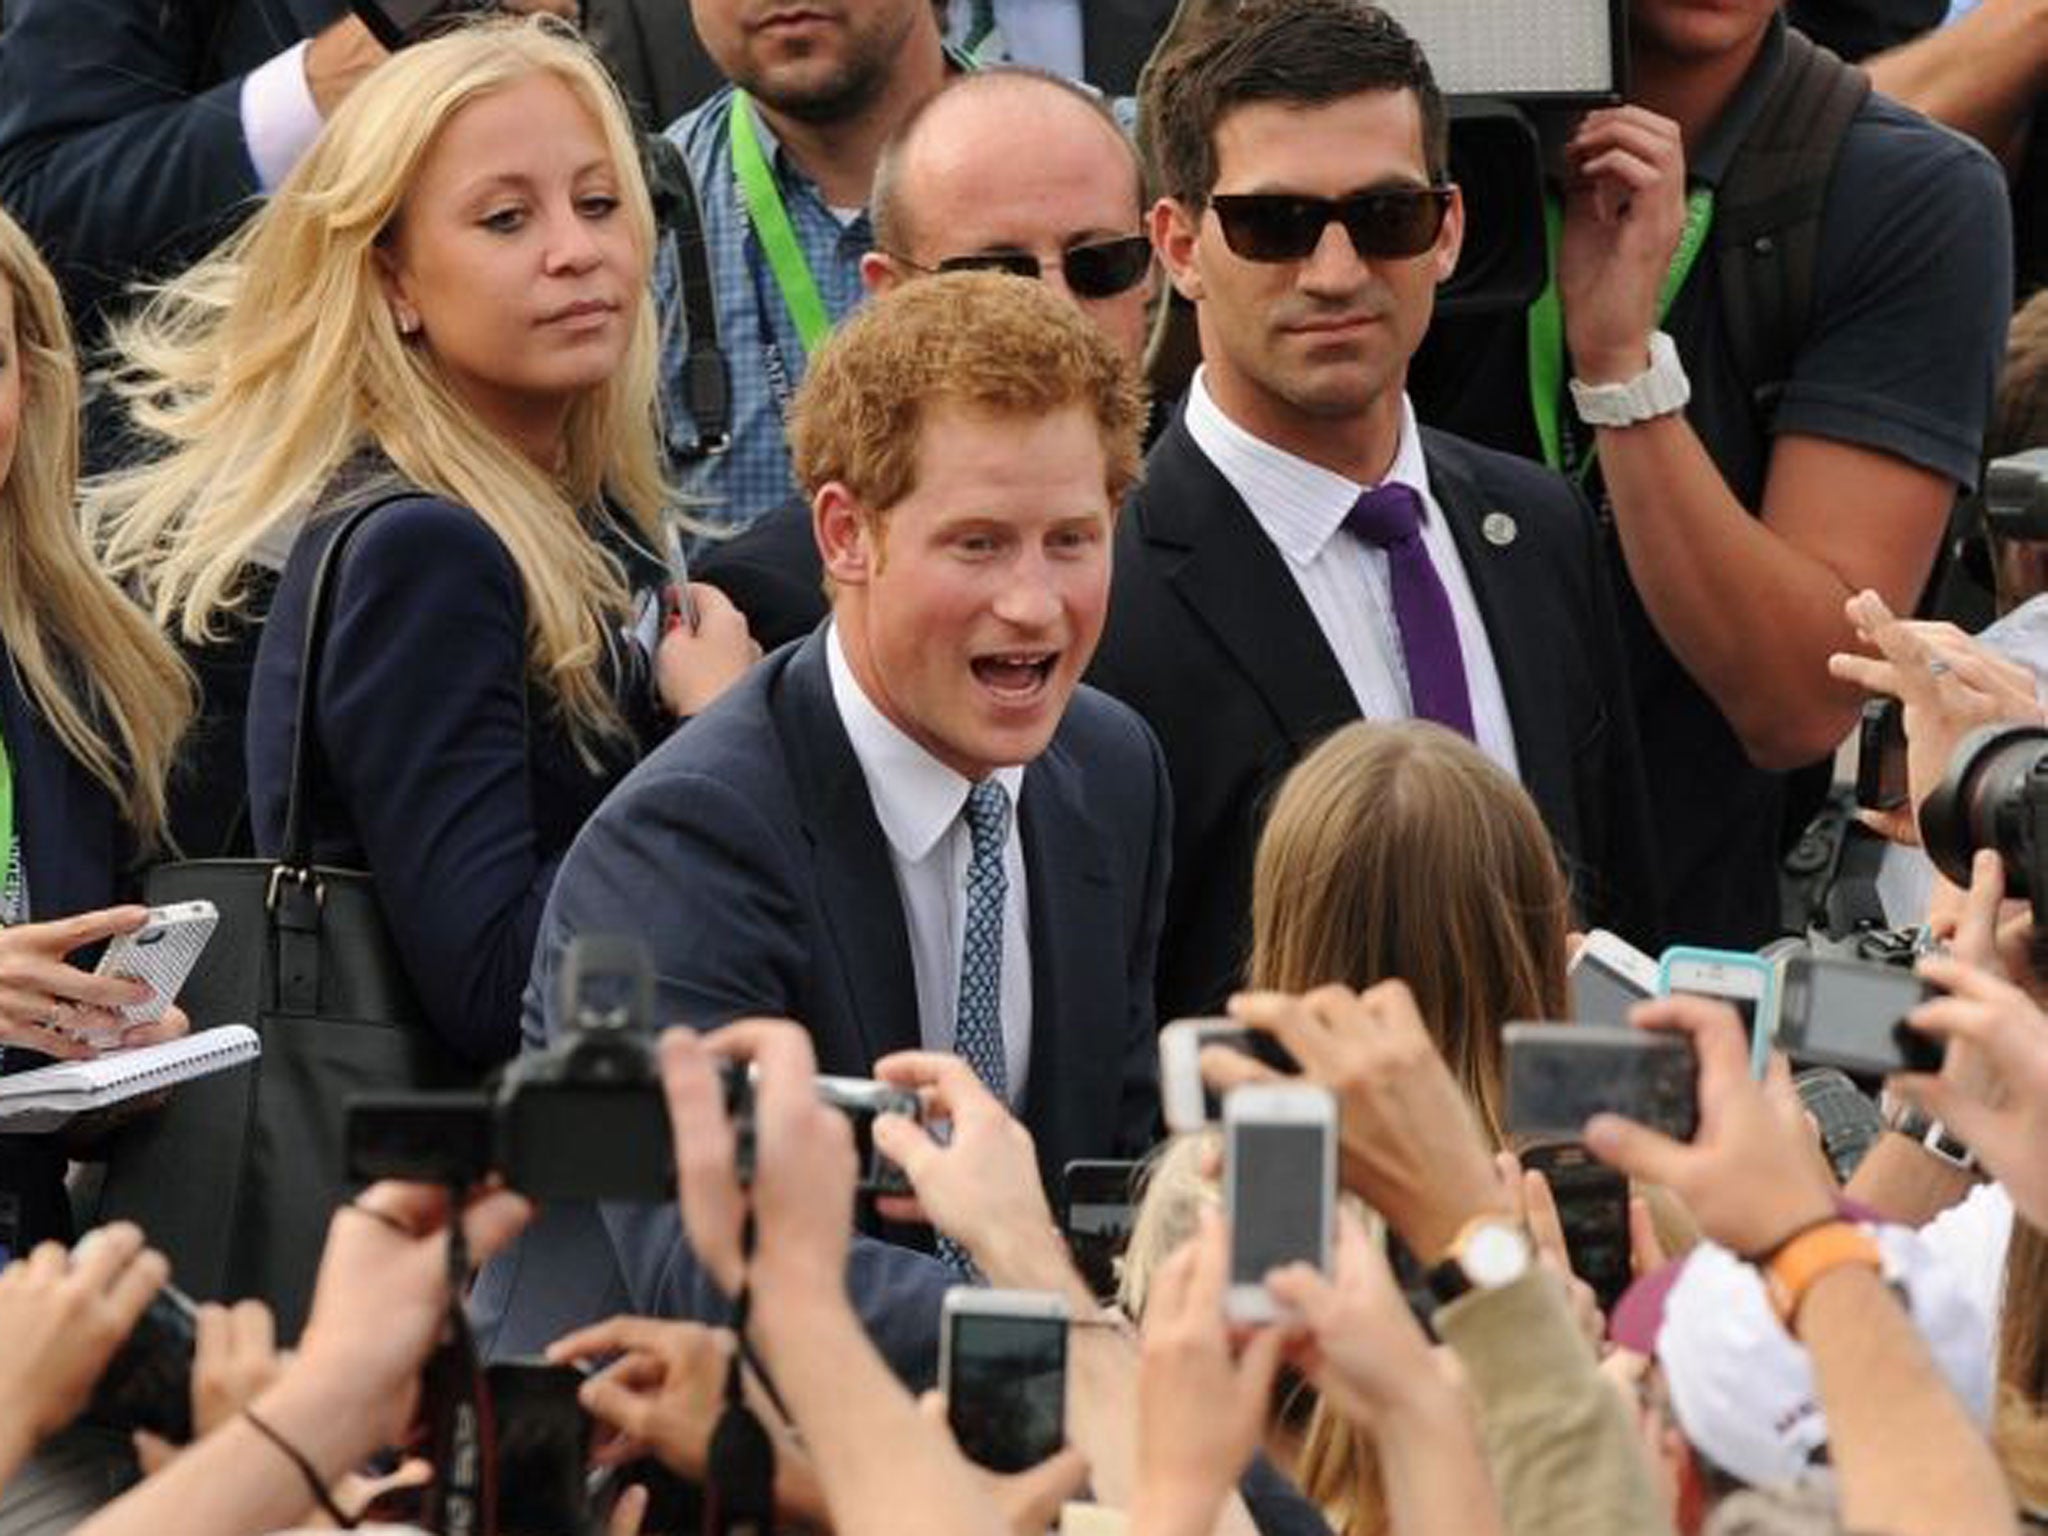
(978, 1023)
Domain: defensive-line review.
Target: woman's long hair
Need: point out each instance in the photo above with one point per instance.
(264, 368)
(104, 678)
(1402, 850)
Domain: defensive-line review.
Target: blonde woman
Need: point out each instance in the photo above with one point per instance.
(447, 297)
(1401, 850)
(92, 702)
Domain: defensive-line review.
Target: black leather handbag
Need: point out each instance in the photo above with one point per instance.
(234, 1180)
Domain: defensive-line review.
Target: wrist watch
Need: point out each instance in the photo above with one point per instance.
(1490, 1251)
(1916, 1124)
(1789, 1273)
(1657, 391)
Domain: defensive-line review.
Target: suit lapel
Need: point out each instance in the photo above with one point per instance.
(1236, 585)
(1505, 580)
(860, 908)
(1075, 964)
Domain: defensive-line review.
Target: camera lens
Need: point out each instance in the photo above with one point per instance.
(1995, 787)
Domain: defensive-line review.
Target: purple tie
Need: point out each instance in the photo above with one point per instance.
(1389, 517)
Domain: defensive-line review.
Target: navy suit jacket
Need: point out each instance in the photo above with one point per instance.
(1210, 639)
(746, 852)
(121, 146)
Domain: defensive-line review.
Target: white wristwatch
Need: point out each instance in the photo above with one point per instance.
(1657, 391)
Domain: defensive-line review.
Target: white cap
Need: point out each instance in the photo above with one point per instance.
(1743, 1391)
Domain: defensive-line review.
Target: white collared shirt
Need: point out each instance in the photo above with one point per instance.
(1346, 581)
(920, 803)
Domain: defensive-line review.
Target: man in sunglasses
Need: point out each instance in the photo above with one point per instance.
(1757, 462)
(1299, 555)
(1007, 169)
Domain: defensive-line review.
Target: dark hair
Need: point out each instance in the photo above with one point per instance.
(886, 210)
(1307, 52)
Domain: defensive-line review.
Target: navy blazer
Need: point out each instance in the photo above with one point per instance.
(746, 853)
(121, 146)
(79, 856)
(441, 771)
(1210, 639)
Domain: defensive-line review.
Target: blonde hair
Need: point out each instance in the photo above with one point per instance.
(1403, 851)
(976, 339)
(270, 363)
(96, 669)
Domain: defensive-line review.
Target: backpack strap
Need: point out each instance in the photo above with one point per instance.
(679, 219)
(1767, 212)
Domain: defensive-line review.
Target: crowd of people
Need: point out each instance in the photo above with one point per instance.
(732, 477)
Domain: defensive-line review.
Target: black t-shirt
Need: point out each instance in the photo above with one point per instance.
(1912, 291)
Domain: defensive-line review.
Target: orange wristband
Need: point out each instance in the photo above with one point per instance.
(1790, 1272)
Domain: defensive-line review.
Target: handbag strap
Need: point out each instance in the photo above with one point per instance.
(295, 856)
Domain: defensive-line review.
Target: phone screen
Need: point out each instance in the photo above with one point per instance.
(1278, 1210)
(1098, 1220)
(1601, 994)
(1560, 1076)
(1006, 1388)
(543, 1444)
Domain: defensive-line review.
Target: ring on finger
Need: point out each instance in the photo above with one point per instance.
(1936, 666)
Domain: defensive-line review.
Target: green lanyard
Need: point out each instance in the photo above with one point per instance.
(1546, 325)
(6, 818)
(772, 228)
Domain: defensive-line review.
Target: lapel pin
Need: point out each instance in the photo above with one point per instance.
(1499, 529)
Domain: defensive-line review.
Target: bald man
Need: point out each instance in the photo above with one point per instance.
(1006, 168)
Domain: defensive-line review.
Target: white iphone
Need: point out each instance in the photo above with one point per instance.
(1280, 1187)
(160, 953)
(1609, 976)
(1003, 1369)
(1187, 1102)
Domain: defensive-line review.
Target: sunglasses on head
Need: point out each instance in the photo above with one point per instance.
(1099, 271)
(1279, 226)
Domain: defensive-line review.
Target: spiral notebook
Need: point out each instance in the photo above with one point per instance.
(46, 1098)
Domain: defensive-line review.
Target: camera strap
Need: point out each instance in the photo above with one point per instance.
(739, 1471)
(461, 1437)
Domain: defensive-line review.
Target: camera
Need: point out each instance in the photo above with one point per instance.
(148, 1383)
(1994, 795)
(586, 1119)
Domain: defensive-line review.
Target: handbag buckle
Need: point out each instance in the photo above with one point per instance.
(303, 878)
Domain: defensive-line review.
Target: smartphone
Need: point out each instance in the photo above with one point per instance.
(543, 1447)
(162, 953)
(148, 1383)
(860, 1100)
(395, 23)
(1852, 1014)
(1881, 755)
(1097, 1210)
(1746, 982)
(1003, 1368)
(1187, 1102)
(1561, 1075)
(1279, 1187)
(675, 555)
(1608, 977)
(1592, 1207)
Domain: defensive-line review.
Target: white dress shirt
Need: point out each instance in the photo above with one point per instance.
(279, 118)
(1045, 34)
(1346, 581)
(920, 803)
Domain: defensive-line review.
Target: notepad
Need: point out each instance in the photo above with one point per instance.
(46, 1098)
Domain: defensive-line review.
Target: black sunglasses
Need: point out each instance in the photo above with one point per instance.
(1278, 226)
(1100, 271)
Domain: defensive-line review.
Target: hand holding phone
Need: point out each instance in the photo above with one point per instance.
(160, 954)
(1187, 1102)
(1749, 1175)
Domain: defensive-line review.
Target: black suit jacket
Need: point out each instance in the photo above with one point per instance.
(1211, 640)
(746, 852)
(121, 144)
